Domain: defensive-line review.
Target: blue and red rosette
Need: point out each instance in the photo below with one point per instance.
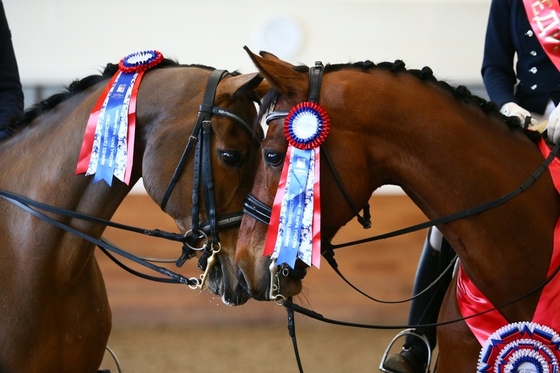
(140, 61)
(306, 126)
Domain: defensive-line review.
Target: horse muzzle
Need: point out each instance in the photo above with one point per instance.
(276, 283)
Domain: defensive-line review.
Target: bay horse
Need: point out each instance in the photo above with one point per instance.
(447, 149)
(55, 315)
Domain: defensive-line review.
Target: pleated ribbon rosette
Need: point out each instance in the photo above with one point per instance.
(295, 224)
(108, 145)
(520, 347)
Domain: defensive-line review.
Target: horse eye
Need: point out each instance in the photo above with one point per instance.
(232, 159)
(273, 159)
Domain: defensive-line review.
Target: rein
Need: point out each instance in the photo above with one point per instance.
(202, 230)
(259, 211)
(173, 277)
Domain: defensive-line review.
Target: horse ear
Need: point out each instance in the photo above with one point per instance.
(280, 74)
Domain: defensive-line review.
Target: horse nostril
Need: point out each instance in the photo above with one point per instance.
(243, 281)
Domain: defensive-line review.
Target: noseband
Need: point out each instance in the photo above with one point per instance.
(203, 181)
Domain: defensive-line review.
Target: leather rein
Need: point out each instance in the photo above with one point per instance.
(261, 212)
(208, 230)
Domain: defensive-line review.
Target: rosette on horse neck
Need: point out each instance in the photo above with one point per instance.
(449, 151)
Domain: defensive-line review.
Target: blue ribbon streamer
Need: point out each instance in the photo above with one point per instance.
(111, 118)
(297, 179)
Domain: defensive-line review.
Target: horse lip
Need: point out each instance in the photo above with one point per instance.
(237, 297)
(217, 285)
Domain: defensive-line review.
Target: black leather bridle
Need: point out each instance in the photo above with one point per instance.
(203, 181)
(203, 173)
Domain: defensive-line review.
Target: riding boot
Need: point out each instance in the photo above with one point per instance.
(5, 133)
(436, 256)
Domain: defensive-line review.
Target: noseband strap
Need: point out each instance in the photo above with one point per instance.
(257, 210)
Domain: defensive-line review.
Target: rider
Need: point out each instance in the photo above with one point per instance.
(11, 93)
(530, 90)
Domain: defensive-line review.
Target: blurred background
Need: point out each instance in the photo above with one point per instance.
(171, 328)
(57, 41)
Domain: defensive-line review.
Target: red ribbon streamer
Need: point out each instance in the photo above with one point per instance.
(272, 233)
(544, 19)
(472, 301)
(87, 143)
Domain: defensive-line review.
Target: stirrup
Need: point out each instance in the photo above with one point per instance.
(401, 334)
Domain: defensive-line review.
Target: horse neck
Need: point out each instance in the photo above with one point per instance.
(43, 158)
(418, 136)
(449, 156)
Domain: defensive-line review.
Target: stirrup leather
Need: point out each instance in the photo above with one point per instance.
(401, 334)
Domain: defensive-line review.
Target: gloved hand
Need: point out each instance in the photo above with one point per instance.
(553, 125)
(511, 109)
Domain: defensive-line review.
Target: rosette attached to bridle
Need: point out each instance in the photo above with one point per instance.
(521, 347)
(108, 145)
(294, 230)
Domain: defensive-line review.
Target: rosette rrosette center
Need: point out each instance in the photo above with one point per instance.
(306, 126)
(140, 61)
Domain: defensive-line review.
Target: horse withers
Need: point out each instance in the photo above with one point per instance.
(448, 150)
(55, 316)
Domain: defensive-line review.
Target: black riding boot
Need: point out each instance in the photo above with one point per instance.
(424, 309)
(5, 133)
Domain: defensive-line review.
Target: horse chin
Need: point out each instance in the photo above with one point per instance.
(290, 287)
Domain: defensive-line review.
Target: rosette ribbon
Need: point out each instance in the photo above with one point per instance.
(108, 144)
(295, 225)
(521, 347)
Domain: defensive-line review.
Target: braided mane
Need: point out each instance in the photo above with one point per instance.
(78, 86)
(460, 92)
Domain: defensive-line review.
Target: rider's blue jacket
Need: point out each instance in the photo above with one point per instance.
(11, 93)
(515, 67)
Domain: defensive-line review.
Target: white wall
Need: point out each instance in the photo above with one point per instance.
(57, 41)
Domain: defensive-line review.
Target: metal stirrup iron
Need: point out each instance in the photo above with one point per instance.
(406, 332)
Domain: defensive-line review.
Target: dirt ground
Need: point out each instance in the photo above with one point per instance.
(171, 328)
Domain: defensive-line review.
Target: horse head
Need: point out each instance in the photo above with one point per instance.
(290, 86)
(214, 182)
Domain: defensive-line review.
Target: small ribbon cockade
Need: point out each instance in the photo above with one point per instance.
(295, 225)
(520, 347)
(108, 145)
